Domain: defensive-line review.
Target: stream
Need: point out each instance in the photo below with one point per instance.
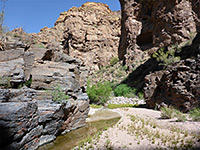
(98, 119)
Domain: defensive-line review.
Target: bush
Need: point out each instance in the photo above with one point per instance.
(170, 112)
(114, 61)
(58, 94)
(141, 95)
(195, 114)
(166, 58)
(99, 93)
(122, 90)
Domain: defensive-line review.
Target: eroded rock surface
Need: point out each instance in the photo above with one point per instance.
(90, 33)
(150, 24)
(179, 84)
(29, 117)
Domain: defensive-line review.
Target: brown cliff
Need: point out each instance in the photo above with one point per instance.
(148, 24)
(90, 33)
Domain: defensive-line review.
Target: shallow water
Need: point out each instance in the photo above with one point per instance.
(73, 138)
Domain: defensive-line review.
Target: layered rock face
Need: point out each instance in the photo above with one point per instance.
(28, 116)
(151, 23)
(91, 34)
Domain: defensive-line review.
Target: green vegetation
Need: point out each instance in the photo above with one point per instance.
(166, 58)
(175, 138)
(114, 61)
(170, 112)
(27, 83)
(195, 114)
(95, 106)
(40, 46)
(5, 82)
(113, 106)
(123, 90)
(99, 93)
(58, 94)
(2, 28)
(141, 95)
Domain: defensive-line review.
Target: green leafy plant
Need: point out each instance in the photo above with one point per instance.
(141, 95)
(99, 93)
(122, 90)
(114, 61)
(195, 114)
(58, 94)
(166, 58)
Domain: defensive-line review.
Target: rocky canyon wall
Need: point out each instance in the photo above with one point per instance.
(150, 24)
(90, 33)
(29, 117)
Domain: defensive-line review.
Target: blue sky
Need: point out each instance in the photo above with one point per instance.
(32, 15)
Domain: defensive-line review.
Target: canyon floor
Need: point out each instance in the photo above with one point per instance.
(141, 128)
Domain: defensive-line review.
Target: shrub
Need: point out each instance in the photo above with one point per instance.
(167, 112)
(141, 95)
(195, 114)
(114, 61)
(58, 94)
(122, 90)
(166, 58)
(170, 112)
(99, 93)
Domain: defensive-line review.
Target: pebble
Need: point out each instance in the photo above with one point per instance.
(125, 100)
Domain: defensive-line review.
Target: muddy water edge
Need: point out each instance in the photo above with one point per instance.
(73, 138)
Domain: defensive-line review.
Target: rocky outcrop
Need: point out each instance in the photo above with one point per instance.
(179, 84)
(31, 123)
(151, 23)
(91, 34)
(29, 117)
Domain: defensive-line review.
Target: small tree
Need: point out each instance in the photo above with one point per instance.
(2, 16)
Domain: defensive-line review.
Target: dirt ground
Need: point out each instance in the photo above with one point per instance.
(143, 129)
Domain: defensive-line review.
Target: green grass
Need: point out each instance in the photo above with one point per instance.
(95, 106)
(40, 46)
(170, 112)
(195, 114)
(113, 106)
